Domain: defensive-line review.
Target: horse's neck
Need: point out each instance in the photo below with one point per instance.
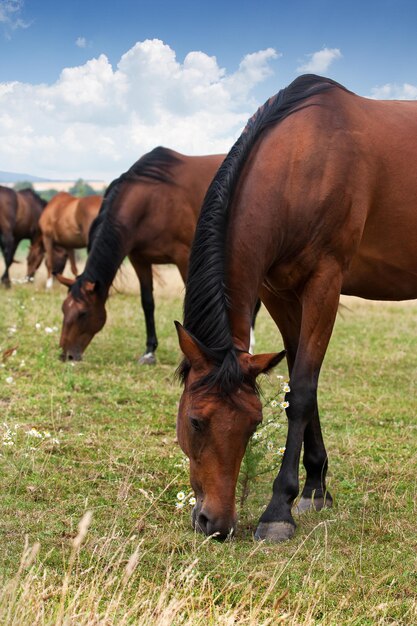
(246, 268)
(106, 256)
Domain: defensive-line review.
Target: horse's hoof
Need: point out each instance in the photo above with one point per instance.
(147, 359)
(312, 504)
(274, 531)
(6, 283)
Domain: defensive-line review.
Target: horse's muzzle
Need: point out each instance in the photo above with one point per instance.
(71, 356)
(220, 528)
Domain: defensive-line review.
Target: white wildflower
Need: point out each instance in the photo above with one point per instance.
(34, 433)
(9, 380)
(180, 496)
(284, 405)
(192, 501)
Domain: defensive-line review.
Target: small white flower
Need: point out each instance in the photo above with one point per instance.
(9, 380)
(270, 445)
(285, 387)
(8, 443)
(34, 433)
(55, 441)
(256, 436)
(12, 329)
(274, 404)
(48, 329)
(22, 363)
(284, 405)
(192, 501)
(179, 505)
(180, 496)
(280, 377)
(281, 451)
(37, 326)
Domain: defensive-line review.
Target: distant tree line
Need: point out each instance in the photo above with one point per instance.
(80, 189)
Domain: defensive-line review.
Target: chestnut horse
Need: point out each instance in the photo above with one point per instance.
(19, 219)
(149, 214)
(65, 222)
(317, 197)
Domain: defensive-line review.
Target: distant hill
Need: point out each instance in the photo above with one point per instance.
(13, 177)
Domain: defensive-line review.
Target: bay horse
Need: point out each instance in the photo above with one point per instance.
(317, 198)
(149, 214)
(65, 222)
(19, 219)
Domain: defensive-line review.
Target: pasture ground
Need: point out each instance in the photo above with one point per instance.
(99, 437)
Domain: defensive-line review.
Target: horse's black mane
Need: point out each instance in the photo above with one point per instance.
(206, 306)
(105, 239)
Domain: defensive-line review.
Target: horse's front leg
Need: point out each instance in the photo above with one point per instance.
(49, 259)
(319, 302)
(8, 248)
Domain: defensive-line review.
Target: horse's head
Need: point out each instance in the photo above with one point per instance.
(213, 430)
(35, 257)
(84, 315)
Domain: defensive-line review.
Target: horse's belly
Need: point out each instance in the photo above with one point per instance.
(386, 278)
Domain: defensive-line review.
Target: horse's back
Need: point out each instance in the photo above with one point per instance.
(337, 178)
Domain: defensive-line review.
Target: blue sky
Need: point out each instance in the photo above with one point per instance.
(124, 95)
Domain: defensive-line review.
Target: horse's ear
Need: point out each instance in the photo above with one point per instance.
(262, 363)
(68, 282)
(190, 349)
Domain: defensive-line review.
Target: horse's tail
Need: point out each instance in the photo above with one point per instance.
(210, 236)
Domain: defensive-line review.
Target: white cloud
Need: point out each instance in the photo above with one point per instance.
(319, 62)
(10, 11)
(81, 42)
(392, 91)
(96, 119)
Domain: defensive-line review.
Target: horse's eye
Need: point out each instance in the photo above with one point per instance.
(196, 424)
(82, 314)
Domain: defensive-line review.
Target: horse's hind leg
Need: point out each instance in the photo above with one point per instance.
(144, 274)
(319, 303)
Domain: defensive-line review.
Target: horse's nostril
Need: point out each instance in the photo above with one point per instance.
(70, 357)
(202, 522)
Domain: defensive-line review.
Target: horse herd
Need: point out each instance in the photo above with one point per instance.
(317, 197)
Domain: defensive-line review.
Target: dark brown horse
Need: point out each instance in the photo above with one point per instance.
(65, 223)
(148, 214)
(19, 219)
(318, 197)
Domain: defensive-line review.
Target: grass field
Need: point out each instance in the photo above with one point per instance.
(95, 443)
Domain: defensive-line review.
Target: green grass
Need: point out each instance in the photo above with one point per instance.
(116, 456)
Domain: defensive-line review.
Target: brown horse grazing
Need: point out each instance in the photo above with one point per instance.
(318, 197)
(60, 256)
(19, 216)
(66, 222)
(148, 214)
